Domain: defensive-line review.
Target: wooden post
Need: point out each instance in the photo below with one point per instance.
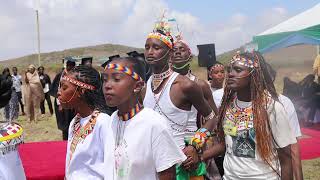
(38, 34)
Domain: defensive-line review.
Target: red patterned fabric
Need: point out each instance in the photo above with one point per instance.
(44, 160)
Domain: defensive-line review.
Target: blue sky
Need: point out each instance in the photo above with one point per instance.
(76, 23)
(214, 10)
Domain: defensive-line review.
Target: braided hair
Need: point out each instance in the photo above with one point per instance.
(261, 88)
(94, 98)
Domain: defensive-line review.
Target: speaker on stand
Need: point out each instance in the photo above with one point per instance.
(207, 56)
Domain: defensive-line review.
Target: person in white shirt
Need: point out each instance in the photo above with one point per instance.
(253, 123)
(46, 83)
(294, 123)
(17, 83)
(217, 75)
(138, 144)
(80, 89)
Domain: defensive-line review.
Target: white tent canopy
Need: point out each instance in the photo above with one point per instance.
(308, 18)
(303, 28)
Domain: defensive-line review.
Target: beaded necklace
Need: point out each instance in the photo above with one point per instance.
(237, 118)
(157, 79)
(121, 125)
(81, 132)
(125, 117)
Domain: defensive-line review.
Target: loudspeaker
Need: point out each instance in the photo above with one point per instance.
(207, 55)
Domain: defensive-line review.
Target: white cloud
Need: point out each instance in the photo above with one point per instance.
(73, 23)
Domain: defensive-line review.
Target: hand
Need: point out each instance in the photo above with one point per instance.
(60, 108)
(192, 158)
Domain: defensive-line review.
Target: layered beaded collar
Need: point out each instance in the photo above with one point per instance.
(157, 79)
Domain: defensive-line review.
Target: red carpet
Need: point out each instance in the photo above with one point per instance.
(310, 146)
(44, 160)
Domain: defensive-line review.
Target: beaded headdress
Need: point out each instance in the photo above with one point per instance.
(250, 63)
(164, 27)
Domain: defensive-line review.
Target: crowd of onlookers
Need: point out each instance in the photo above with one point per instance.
(29, 91)
(306, 95)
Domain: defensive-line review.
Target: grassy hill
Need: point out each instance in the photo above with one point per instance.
(294, 62)
(52, 61)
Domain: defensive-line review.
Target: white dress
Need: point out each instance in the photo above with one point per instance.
(87, 160)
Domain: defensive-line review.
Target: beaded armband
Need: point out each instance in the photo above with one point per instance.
(210, 116)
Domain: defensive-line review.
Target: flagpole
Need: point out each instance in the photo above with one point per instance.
(38, 34)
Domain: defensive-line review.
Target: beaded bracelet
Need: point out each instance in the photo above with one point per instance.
(210, 116)
(199, 139)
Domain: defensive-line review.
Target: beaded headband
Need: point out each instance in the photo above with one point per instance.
(165, 39)
(125, 70)
(216, 66)
(78, 83)
(243, 61)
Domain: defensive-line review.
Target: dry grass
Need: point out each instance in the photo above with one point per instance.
(311, 169)
(44, 130)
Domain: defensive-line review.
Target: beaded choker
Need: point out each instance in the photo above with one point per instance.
(132, 113)
(157, 79)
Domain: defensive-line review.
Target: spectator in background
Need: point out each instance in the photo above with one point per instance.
(17, 82)
(310, 93)
(217, 76)
(294, 124)
(11, 110)
(34, 93)
(87, 61)
(46, 83)
(5, 90)
(316, 67)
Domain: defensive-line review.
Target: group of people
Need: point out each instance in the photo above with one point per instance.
(306, 95)
(174, 125)
(35, 92)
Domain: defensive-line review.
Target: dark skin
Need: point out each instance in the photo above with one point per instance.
(217, 75)
(41, 71)
(15, 71)
(69, 65)
(87, 63)
(296, 161)
(179, 58)
(183, 93)
(69, 96)
(121, 91)
(239, 81)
